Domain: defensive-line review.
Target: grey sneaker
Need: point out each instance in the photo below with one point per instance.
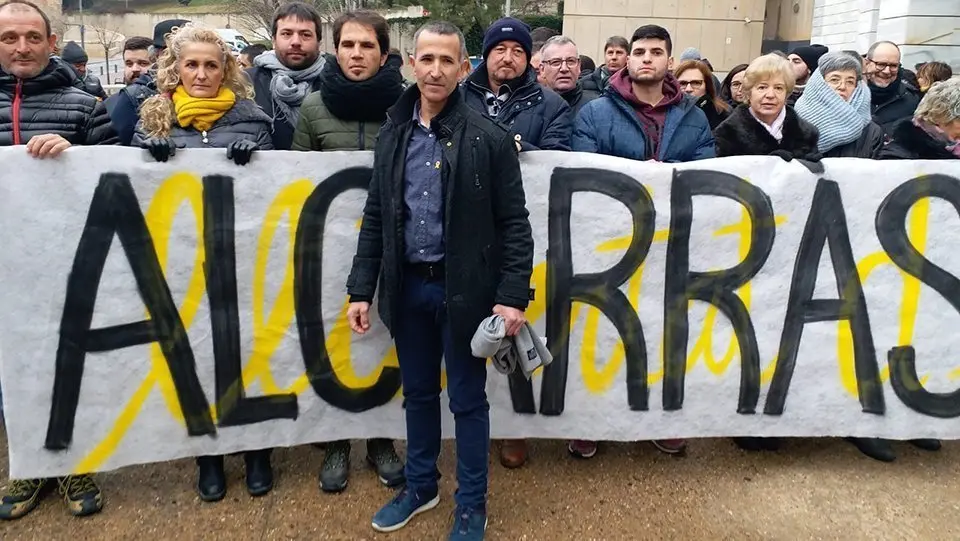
(383, 458)
(336, 467)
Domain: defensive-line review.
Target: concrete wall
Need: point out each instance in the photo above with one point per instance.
(727, 32)
(925, 29)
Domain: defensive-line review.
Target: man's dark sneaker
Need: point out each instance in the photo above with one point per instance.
(403, 507)
(758, 444)
(211, 481)
(336, 467)
(23, 497)
(383, 458)
(81, 494)
(875, 448)
(468, 524)
(927, 444)
(259, 472)
(671, 447)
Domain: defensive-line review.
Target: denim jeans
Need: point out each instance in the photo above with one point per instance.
(422, 336)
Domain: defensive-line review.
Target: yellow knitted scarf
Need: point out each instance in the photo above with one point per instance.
(201, 113)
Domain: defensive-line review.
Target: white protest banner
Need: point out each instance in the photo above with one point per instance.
(156, 311)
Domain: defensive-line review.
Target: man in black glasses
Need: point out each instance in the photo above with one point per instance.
(560, 71)
(892, 98)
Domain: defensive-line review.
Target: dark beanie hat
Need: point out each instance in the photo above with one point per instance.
(508, 29)
(810, 54)
(163, 28)
(73, 53)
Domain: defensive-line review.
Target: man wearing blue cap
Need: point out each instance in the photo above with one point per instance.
(504, 88)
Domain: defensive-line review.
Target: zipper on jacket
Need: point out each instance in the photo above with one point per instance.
(476, 165)
(17, 100)
(360, 141)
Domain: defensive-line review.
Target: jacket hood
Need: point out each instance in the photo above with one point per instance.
(56, 75)
(621, 85)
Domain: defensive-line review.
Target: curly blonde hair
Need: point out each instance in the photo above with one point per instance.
(157, 113)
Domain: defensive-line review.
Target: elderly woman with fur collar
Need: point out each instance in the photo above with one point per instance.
(766, 125)
(837, 102)
(934, 131)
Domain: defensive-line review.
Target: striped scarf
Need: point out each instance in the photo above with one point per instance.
(839, 122)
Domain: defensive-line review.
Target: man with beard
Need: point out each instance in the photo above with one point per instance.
(892, 99)
(504, 88)
(357, 87)
(124, 106)
(42, 109)
(284, 77)
(615, 58)
(644, 115)
(560, 71)
(804, 61)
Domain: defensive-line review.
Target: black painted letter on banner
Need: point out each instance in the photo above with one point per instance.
(115, 210)
(892, 232)
(308, 280)
(715, 287)
(596, 289)
(827, 223)
(220, 271)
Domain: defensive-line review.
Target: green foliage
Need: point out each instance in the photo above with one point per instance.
(550, 21)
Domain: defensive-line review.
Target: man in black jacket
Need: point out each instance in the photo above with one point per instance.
(77, 58)
(30, 83)
(892, 98)
(560, 72)
(614, 59)
(446, 231)
(504, 87)
(284, 77)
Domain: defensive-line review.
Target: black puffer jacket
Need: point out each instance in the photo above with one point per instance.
(743, 135)
(488, 240)
(911, 142)
(538, 115)
(244, 121)
(49, 103)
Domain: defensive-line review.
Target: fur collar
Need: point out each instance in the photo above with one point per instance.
(742, 135)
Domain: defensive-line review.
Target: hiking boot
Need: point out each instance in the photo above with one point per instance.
(582, 448)
(671, 447)
(927, 444)
(211, 481)
(81, 494)
(383, 458)
(336, 467)
(259, 472)
(403, 507)
(513, 453)
(22, 497)
(468, 524)
(875, 448)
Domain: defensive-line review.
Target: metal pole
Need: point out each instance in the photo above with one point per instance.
(83, 42)
(506, 8)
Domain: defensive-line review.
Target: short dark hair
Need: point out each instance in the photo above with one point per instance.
(652, 31)
(542, 34)
(618, 42)
(300, 11)
(442, 28)
(137, 43)
(587, 63)
(253, 51)
(367, 18)
(26, 3)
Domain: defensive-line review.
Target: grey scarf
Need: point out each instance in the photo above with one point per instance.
(289, 87)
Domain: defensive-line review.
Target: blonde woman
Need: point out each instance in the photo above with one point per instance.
(205, 101)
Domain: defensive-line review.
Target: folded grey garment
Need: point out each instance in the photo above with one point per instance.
(526, 351)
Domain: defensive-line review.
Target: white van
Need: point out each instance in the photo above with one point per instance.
(233, 39)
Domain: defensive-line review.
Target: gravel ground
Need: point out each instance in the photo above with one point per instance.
(812, 489)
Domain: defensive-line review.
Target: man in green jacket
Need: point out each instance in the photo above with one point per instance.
(345, 113)
(356, 87)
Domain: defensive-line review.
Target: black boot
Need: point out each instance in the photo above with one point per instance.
(927, 444)
(383, 458)
(259, 472)
(211, 482)
(336, 467)
(875, 448)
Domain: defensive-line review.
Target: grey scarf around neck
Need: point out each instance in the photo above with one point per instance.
(288, 87)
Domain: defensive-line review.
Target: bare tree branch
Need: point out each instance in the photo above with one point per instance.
(108, 38)
(257, 15)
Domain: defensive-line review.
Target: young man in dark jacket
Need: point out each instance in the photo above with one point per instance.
(504, 88)
(644, 115)
(450, 244)
(284, 77)
(357, 87)
(560, 72)
(30, 83)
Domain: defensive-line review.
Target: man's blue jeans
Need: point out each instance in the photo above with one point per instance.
(422, 336)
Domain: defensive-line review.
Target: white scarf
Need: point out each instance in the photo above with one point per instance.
(776, 128)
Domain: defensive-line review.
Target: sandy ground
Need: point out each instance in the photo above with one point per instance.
(812, 489)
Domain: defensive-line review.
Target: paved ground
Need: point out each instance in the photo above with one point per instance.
(814, 489)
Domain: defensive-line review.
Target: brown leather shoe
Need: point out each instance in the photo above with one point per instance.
(513, 453)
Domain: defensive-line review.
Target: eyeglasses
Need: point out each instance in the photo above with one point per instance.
(557, 62)
(837, 84)
(881, 66)
(691, 84)
(736, 84)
